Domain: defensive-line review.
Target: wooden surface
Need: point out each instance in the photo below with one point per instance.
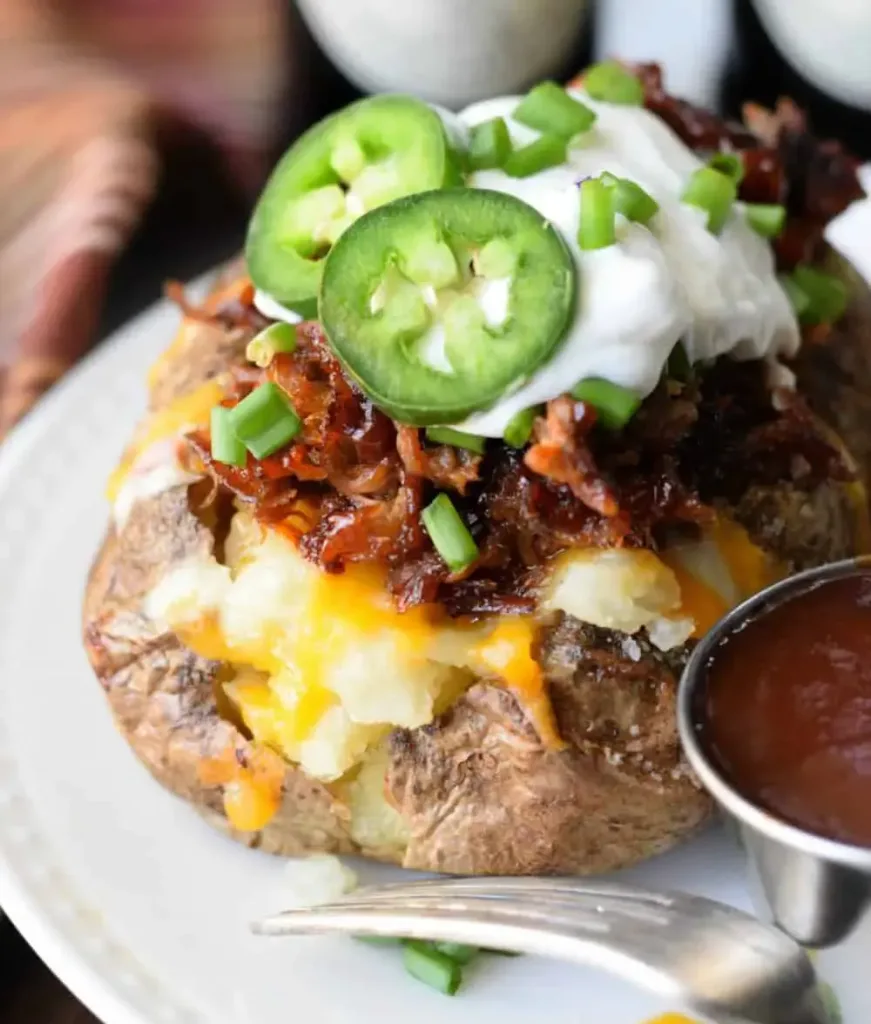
(196, 222)
(188, 231)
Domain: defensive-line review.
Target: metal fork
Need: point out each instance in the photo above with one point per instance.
(703, 955)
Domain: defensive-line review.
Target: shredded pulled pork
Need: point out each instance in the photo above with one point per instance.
(560, 453)
(368, 530)
(444, 465)
(783, 161)
(351, 487)
(238, 311)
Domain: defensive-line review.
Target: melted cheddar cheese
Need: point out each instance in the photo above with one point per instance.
(719, 572)
(325, 664)
(325, 667)
(672, 1018)
(251, 789)
(507, 654)
(188, 412)
(329, 665)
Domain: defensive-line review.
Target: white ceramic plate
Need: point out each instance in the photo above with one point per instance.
(135, 903)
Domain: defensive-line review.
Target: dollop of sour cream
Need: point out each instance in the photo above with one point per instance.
(668, 281)
(274, 310)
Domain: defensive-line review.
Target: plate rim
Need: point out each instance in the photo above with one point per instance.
(94, 980)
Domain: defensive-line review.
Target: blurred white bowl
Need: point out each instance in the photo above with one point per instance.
(451, 52)
(827, 41)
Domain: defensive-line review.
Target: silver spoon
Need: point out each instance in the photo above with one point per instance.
(713, 959)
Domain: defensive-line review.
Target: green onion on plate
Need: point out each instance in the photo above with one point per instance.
(457, 951)
(426, 963)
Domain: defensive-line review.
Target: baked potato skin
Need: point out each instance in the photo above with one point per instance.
(200, 350)
(163, 696)
(483, 796)
(835, 372)
(478, 791)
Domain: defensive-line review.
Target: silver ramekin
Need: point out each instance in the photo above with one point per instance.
(817, 890)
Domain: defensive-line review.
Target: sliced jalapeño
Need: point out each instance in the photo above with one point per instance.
(440, 303)
(372, 152)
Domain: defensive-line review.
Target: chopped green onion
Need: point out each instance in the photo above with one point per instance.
(265, 421)
(797, 296)
(424, 962)
(457, 951)
(630, 199)
(611, 82)
(379, 940)
(826, 294)
(489, 144)
(614, 405)
(275, 338)
(226, 447)
(679, 366)
(829, 999)
(459, 439)
(549, 108)
(449, 533)
(729, 164)
(596, 229)
(547, 151)
(766, 219)
(518, 430)
(712, 192)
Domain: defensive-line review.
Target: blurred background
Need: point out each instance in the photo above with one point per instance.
(135, 133)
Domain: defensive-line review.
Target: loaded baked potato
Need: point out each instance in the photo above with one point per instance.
(293, 641)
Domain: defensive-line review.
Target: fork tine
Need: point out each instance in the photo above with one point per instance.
(480, 922)
(546, 913)
(508, 884)
(557, 903)
(761, 974)
(547, 910)
(640, 904)
(427, 905)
